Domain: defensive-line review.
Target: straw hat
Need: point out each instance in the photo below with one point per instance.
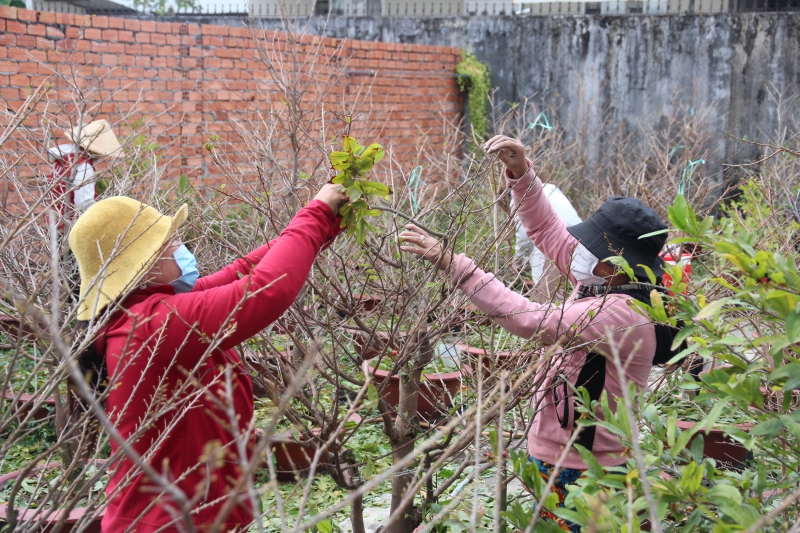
(97, 137)
(116, 241)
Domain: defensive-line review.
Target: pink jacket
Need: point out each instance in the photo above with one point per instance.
(580, 329)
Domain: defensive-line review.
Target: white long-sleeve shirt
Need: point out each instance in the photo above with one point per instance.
(525, 248)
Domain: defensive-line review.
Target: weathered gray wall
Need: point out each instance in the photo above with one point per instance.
(607, 70)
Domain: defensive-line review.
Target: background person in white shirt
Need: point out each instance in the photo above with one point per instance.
(545, 276)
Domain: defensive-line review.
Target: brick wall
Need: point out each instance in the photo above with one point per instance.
(180, 84)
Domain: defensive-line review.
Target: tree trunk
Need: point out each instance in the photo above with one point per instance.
(405, 435)
(357, 515)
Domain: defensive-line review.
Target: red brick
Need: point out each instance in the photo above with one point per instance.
(116, 23)
(28, 68)
(54, 33)
(148, 26)
(10, 93)
(66, 18)
(12, 26)
(10, 67)
(46, 17)
(149, 49)
(8, 40)
(92, 34)
(142, 37)
(132, 25)
(43, 42)
(99, 22)
(126, 36)
(26, 14)
(19, 80)
(8, 12)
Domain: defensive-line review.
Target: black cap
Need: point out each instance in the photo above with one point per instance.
(615, 228)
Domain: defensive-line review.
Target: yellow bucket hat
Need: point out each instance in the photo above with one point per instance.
(116, 241)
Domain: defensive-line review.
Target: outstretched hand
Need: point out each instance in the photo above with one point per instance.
(333, 196)
(422, 244)
(510, 151)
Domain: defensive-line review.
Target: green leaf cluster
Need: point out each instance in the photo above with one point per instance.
(474, 78)
(353, 162)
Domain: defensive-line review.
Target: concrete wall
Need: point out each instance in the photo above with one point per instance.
(623, 70)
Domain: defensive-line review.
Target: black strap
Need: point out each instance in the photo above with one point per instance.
(593, 378)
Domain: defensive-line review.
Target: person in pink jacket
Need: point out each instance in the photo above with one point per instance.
(598, 312)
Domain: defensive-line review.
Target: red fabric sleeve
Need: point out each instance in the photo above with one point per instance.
(234, 271)
(241, 308)
(242, 266)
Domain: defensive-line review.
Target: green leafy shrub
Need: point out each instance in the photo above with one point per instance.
(741, 309)
(353, 162)
(475, 80)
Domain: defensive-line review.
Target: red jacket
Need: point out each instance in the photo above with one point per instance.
(158, 346)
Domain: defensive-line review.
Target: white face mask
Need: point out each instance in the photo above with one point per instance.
(582, 266)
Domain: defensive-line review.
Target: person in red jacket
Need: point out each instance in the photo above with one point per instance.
(178, 394)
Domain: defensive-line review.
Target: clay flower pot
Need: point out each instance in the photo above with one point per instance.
(14, 329)
(368, 346)
(716, 445)
(367, 302)
(503, 360)
(435, 391)
(23, 404)
(47, 521)
(293, 458)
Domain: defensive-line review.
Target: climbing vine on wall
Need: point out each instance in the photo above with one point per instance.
(475, 80)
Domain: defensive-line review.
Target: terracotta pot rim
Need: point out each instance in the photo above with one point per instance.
(376, 332)
(688, 424)
(55, 516)
(474, 350)
(24, 397)
(283, 438)
(446, 376)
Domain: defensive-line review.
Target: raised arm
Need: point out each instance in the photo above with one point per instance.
(512, 311)
(542, 224)
(234, 271)
(240, 309)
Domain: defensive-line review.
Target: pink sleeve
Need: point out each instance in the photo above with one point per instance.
(512, 311)
(542, 225)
